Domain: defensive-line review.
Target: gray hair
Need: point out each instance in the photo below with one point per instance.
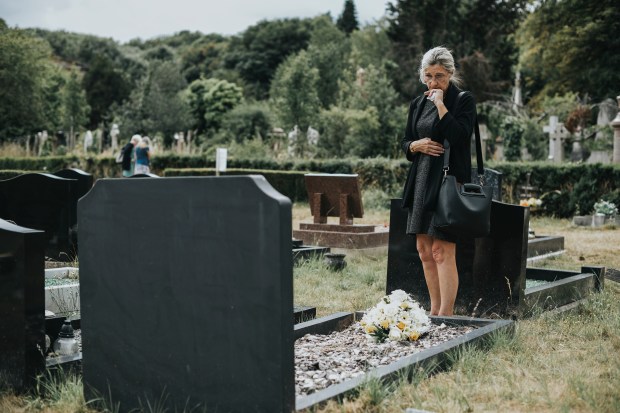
(439, 56)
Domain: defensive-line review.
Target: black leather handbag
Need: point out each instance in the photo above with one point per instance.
(464, 210)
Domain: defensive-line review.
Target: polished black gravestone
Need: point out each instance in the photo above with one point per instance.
(84, 181)
(187, 302)
(22, 305)
(44, 202)
(491, 269)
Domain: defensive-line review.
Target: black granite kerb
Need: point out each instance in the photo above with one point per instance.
(186, 293)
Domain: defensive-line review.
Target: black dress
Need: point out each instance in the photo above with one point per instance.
(419, 220)
(424, 178)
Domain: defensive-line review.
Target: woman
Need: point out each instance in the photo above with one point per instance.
(143, 156)
(440, 114)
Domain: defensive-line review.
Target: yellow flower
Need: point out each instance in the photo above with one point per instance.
(371, 329)
(414, 335)
(385, 324)
(401, 325)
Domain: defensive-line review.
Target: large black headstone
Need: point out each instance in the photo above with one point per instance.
(491, 269)
(186, 293)
(22, 305)
(44, 202)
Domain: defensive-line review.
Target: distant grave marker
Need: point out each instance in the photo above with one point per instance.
(334, 195)
(337, 195)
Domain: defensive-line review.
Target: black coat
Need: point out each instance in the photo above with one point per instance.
(456, 127)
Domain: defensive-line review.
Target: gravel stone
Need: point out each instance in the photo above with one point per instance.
(323, 360)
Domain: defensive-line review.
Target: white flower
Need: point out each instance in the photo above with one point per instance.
(396, 317)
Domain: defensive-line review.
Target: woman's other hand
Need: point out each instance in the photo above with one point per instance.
(427, 146)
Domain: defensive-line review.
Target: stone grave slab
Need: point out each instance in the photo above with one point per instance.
(337, 195)
(44, 202)
(187, 302)
(435, 358)
(22, 326)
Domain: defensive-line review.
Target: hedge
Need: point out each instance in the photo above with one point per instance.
(566, 189)
(289, 183)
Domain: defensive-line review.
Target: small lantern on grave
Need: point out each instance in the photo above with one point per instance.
(66, 344)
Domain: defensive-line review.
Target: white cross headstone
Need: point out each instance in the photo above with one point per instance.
(557, 135)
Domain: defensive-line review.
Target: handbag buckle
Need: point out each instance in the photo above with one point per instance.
(445, 170)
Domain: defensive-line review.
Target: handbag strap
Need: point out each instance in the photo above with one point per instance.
(446, 144)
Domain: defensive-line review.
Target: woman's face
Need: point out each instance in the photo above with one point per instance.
(437, 77)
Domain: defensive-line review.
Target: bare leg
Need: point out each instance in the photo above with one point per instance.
(444, 255)
(424, 244)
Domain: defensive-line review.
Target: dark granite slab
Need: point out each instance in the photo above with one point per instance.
(22, 305)
(491, 269)
(186, 293)
(44, 202)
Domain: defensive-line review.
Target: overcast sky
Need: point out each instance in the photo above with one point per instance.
(124, 20)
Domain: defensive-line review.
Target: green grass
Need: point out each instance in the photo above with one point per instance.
(565, 362)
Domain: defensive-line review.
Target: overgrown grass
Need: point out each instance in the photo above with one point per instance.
(553, 363)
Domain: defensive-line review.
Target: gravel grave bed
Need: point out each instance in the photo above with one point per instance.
(52, 282)
(324, 360)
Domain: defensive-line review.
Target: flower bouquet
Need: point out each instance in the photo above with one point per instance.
(532, 202)
(606, 208)
(397, 317)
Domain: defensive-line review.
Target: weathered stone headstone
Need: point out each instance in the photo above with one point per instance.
(22, 305)
(186, 293)
(44, 202)
(486, 266)
(557, 135)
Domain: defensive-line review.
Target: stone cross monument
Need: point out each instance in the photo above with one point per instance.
(557, 135)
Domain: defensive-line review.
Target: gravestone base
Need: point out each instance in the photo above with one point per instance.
(343, 236)
(303, 252)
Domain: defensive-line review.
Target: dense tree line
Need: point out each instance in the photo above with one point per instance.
(352, 82)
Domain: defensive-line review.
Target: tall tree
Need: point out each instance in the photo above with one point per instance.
(166, 111)
(209, 100)
(328, 51)
(347, 21)
(568, 46)
(76, 109)
(24, 66)
(294, 92)
(258, 52)
(104, 85)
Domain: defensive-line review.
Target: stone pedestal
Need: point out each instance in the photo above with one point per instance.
(354, 236)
